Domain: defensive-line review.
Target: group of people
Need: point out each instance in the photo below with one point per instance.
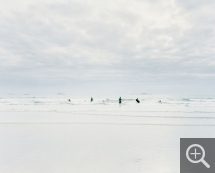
(120, 100)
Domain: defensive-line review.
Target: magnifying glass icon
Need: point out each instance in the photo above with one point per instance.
(201, 159)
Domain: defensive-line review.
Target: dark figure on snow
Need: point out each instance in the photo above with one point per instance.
(120, 100)
(91, 99)
(137, 100)
(69, 100)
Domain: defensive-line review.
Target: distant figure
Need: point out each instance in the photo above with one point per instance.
(159, 101)
(137, 100)
(103, 101)
(120, 100)
(69, 100)
(91, 99)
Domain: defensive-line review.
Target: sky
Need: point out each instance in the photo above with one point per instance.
(107, 47)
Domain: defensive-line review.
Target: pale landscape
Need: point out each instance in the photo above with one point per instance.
(50, 134)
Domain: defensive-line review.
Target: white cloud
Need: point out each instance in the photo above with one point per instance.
(104, 42)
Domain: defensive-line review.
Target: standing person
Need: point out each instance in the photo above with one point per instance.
(120, 100)
(91, 99)
(137, 100)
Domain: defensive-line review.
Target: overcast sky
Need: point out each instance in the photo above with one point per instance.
(107, 47)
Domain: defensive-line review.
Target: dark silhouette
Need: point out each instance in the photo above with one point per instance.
(120, 100)
(69, 100)
(91, 99)
(137, 100)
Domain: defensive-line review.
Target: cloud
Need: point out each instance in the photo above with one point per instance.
(154, 43)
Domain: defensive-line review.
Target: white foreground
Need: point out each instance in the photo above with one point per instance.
(100, 138)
